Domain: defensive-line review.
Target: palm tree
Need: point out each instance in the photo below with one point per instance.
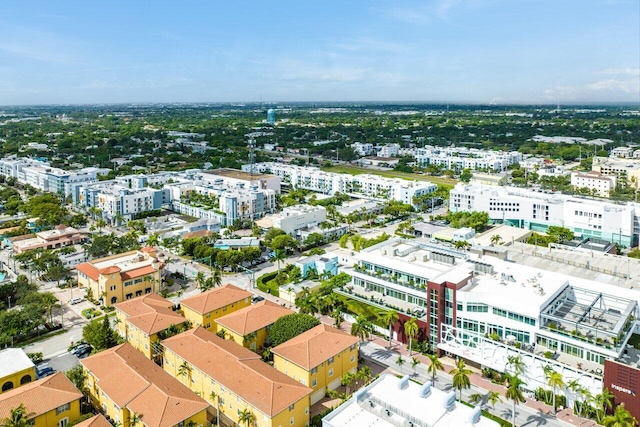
(494, 397)
(495, 239)
(435, 366)
(217, 277)
(361, 328)
(214, 397)
(18, 417)
(514, 393)
(555, 380)
(153, 240)
(362, 375)
(278, 256)
(400, 362)
(411, 330)
(336, 315)
(604, 402)
(347, 379)
(620, 418)
(184, 370)
(246, 417)
(516, 363)
(461, 377)
(200, 280)
(414, 362)
(389, 318)
(134, 419)
(461, 244)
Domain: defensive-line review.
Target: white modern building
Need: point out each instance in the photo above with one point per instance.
(459, 158)
(314, 179)
(292, 219)
(391, 402)
(389, 150)
(600, 184)
(533, 210)
(626, 169)
(363, 149)
(43, 176)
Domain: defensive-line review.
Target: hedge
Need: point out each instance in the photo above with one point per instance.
(266, 283)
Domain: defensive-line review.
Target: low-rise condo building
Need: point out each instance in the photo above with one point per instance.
(203, 309)
(234, 379)
(16, 368)
(126, 386)
(122, 277)
(51, 401)
(318, 358)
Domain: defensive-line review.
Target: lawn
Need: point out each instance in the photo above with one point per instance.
(356, 170)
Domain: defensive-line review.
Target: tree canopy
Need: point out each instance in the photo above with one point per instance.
(290, 326)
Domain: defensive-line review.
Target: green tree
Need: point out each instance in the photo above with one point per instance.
(514, 393)
(435, 365)
(18, 417)
(516, 364)
(278, 256)
(411, 330)
(347, 379)
(77, 376)
(620, 418)
(555, 380)
(604, 403)
(246, 417)
(400, 362)
(284, 242)
(99, 335)
(184, 370)
(290, 326)
(361, 328)
(389, 318)
(461, 377)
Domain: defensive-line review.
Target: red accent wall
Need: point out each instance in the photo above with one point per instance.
(423, 329)
(624, 382)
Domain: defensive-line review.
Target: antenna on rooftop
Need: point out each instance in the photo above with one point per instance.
(252, 156)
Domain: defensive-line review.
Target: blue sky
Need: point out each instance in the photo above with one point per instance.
(481, 51)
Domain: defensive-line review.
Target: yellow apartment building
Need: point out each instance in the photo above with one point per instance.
(16, 368)
(121, 277)
(250, 326)
(318, 358)
(143, 321)
(203, 309)
(127, 387)
(234, 379)
(50, 402)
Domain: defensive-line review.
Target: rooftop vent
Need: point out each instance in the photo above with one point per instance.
(449, 400)
(403, 382)
(425, 389)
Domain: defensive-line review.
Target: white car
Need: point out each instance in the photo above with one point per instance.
(76, 300)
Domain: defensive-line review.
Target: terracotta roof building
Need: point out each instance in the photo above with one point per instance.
(50, 401)
(122, 277)
(50, 239)
(238, 378)
(143, 320)
(95, 421)
(318, 357)
(123, 383)
(250, 326)
(204, 308)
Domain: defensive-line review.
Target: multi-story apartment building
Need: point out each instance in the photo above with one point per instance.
(203, 309)
(236, 178)
(122, 277)
(314, 179)
(601, 184)
(235, 379)
(459, 158)
(363, 149)
(525, 208)
(51, 401)
(43, 176)
(389, 150)
(318, 358)
(117, 199)
(626, 170)
(143, 320)
(130, 389)
(250, 326)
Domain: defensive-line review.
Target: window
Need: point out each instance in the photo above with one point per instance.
(63, 408)
(63, 422)
(314, 382)
(331, 372)
(291, 407)
(353, 358)
(128, 283)
(330, 360)
(291, 421)
(314, 370)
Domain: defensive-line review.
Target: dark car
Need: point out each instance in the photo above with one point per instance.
(257, 298)
(45, 372)
(84, 353)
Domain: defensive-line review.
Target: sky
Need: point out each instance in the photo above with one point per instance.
(458, 51)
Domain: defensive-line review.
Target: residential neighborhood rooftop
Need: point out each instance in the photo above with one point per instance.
(253, 318)
(150, 313)
(215, 298)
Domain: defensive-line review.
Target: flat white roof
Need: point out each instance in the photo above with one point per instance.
(13, 360)
(369, 406)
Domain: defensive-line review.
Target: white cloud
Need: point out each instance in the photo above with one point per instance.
(609, 90)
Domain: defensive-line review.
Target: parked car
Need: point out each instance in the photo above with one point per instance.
(76, 300)
(45, 372)
(84, 353)
(257, 298)
(81, 348)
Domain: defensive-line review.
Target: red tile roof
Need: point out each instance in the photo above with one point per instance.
(138, 272)
(253, 318)
(150, 313)
(135, 382)
(97, 421)
(89, 270)
(40, 397)
(238, 369)
(215, 298)
(315, 346)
